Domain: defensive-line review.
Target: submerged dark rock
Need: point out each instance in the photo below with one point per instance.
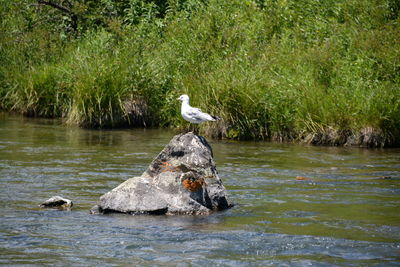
(182, 179)
(57, 202)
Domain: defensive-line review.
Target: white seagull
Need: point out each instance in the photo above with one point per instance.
(194, 115)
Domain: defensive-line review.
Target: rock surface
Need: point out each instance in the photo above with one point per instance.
(57, 202)
(182, 179)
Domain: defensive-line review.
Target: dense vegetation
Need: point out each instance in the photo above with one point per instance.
(322, 71)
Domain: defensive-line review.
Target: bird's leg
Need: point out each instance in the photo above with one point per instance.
(195, 129)
(188, 128)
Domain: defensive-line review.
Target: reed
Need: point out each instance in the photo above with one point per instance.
(323, 72)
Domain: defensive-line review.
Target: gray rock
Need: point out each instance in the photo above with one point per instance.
(182, 179)
(57, 202)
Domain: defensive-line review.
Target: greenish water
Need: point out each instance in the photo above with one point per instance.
(342, 214)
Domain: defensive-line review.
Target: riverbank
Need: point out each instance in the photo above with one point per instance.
(323, 73)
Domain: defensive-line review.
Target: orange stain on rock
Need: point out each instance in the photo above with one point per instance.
(168, 167)
(301, 178)
(192, 186)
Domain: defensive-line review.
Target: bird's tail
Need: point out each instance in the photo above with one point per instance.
(216, 118)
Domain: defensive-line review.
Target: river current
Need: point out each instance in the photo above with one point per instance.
(296, 205)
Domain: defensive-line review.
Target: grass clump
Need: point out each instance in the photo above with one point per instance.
(323, 72)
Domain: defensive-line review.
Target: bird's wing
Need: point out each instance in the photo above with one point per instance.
(198, 115)
(194, 111)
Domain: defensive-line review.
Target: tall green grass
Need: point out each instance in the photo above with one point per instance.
(326, 72)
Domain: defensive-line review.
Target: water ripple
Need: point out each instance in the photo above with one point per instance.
(343, 212)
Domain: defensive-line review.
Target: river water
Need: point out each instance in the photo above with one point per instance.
(346, 211)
